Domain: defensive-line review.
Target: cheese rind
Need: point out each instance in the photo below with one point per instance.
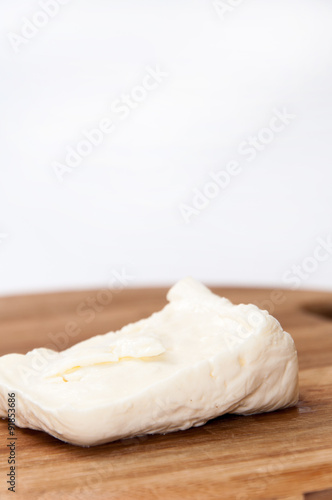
(198, 358)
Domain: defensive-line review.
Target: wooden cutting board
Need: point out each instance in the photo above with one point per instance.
(281, 455)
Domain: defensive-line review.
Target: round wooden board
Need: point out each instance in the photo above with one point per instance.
(281, 455)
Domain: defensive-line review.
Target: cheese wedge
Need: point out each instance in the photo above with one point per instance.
(198, 358)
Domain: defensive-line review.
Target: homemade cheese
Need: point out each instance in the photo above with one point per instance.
(198, 358)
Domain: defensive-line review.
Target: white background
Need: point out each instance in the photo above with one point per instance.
(120, 208)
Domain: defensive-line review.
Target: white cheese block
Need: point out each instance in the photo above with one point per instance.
(198, 358)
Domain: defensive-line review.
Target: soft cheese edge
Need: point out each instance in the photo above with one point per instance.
(258, 372)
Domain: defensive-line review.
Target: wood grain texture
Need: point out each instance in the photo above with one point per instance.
(281, 455)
